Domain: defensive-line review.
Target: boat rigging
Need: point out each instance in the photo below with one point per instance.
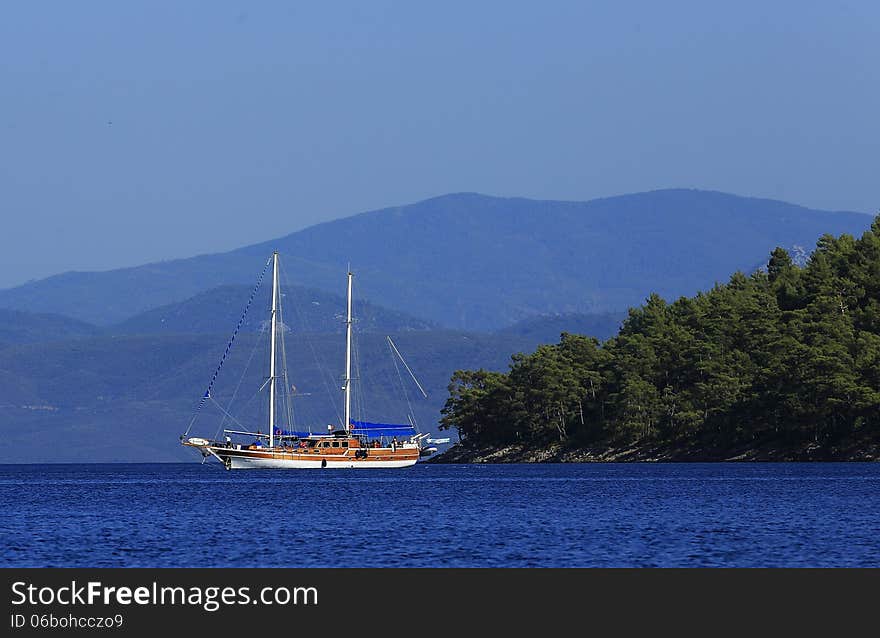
(355, 444)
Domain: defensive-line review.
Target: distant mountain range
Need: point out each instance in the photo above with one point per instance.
(475, 262)
(28, 327)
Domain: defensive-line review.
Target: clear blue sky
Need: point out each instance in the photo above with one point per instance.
(136, 131)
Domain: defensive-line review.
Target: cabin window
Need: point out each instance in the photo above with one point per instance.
(335, 443)
(326, 443)
(345, 444)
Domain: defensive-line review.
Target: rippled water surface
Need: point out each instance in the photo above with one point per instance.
(622, 515)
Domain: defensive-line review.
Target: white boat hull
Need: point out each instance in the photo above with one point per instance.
(246, 463)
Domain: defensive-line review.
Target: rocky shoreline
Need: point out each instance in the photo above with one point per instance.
(557, 452)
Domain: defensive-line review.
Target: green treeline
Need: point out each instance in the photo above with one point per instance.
(785, 356)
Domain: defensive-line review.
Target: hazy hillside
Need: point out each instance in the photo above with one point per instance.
(477, 262)
(27, 327)
(547, 328)
(106, 298)
(129, 398)
(304, 310)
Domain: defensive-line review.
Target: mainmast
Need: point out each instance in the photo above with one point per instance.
(347, 386)
(272, 349)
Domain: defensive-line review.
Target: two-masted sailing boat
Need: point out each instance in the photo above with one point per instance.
(355, 444)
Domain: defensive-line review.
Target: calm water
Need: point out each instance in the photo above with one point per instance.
(719, 515)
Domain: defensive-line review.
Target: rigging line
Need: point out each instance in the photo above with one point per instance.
(364, 378)
(411, 414)
(325, 375)
(227, 413)
(288, 403)
(238, 385)
(397, 352)
(358, 375)
(247, 307)
(245, 406)
(288, 396)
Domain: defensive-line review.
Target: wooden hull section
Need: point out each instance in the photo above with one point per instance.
(355, 458)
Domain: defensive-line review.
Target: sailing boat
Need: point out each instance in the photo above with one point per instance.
(356, 444)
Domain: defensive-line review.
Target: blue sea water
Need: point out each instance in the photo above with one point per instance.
(589, 515)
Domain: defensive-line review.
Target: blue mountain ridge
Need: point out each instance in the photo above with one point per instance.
(475, 262)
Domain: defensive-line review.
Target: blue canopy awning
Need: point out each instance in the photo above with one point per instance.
(363, 428)
(359, 428)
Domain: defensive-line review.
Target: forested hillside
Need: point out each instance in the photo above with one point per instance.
(785, 358)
